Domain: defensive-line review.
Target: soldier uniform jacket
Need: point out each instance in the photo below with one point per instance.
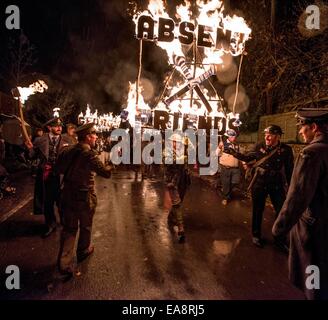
(305, 214)
(79, 165)
(277, 167)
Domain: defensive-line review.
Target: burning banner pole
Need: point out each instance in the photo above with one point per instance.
(22, 94)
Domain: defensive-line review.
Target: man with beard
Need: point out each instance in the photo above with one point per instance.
(305, 211)
(273, 166)
(47, 182)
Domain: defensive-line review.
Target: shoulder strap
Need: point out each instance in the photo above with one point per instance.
(267, 157)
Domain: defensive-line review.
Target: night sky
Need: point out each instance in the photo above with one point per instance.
(88, 46)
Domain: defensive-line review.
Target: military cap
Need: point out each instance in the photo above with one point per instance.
(231, 133)
(54, 122)
(85, 129)
(312, 115)
(273, 129)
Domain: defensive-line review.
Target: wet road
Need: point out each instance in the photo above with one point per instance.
(138, 257)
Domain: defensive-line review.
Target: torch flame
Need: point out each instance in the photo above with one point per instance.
(39, 86)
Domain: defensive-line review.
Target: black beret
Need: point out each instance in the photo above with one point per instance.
(311, 115)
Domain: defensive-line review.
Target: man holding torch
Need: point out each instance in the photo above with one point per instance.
(272, 164)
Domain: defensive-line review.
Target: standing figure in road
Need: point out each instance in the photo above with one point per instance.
(47, 182)
(79, 164)
(177, 180)
(305, 211)
(273, 163)
(229, 165)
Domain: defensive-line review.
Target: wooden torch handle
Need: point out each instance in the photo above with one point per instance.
(24, 131)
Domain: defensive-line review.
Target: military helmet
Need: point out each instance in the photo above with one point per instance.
(231, 133)
(273, 129)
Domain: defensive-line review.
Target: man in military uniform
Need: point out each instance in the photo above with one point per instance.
(177, 180)
(47, 182)
(273, 169)
(79, 164)
(305, 211)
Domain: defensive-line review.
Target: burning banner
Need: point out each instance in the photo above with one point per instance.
(211, 37)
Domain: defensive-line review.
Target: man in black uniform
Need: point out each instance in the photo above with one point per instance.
(273, 169)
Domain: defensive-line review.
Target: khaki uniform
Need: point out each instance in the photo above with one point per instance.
(78, 199)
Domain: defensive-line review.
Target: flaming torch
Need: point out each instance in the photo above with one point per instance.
(22, 94)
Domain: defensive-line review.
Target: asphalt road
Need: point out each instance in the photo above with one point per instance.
(138, 257)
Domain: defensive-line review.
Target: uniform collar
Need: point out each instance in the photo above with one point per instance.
(51, 136)
(320, 137)
(84, 146)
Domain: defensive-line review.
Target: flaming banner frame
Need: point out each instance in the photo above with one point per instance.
(224, 35)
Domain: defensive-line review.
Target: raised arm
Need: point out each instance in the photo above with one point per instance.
(97, 166)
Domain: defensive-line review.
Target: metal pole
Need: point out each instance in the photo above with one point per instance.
(194, 74)
(139, 73)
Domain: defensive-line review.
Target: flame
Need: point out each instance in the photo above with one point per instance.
(103, 122)
(131, 102)
(39, 86)
(210, 14)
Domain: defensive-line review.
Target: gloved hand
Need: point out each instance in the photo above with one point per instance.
(229, 150)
